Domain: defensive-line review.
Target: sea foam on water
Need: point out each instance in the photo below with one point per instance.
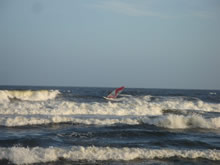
(21, 155)
(28, 95)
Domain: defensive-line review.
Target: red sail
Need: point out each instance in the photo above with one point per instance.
(116, 92)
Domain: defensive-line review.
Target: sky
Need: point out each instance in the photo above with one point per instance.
(109, 43)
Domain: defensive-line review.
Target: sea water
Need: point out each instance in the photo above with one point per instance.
(71, 125)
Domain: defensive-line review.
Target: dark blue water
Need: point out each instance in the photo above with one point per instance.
(66, 125)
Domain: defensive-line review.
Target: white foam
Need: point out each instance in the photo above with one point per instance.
(167, 121)
(132, 110)
(28, 95)
(178, 103)
(140, 106)
(183, 122)
(89, 120)
(21, 155)
(73, 108)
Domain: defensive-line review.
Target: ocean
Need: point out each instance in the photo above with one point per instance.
(76, 125)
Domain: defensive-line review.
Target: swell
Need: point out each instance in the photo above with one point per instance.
(114, 137)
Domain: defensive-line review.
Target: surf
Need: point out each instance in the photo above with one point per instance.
(28, 95)
(22, 155)
(172, 113)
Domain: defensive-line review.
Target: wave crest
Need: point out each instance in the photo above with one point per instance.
(168, 121)
(183, 122)
(169, 113)
(38, 154)
(28, 95)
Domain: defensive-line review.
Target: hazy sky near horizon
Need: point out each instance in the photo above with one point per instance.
(109, 43)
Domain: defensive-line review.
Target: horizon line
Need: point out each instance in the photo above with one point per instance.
(68, 86)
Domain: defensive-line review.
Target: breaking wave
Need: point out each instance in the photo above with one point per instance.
(168, 121)
(21, 155)
(28, 95)
(183, 122)
(132, 111)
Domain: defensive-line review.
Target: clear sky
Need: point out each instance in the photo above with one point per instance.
(109, 43)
